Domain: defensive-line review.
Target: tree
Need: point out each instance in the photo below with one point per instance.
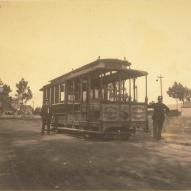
(187, 94)
(24, 93)
(5, 98)
(179, 92)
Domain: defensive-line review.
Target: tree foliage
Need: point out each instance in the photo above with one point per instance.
(5, 98)
(179, 92)
(24, 93)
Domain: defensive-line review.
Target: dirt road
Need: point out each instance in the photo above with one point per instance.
(31, 161)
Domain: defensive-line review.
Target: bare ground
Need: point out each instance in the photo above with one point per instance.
(31, 161)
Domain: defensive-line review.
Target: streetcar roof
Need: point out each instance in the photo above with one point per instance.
(101, 65)
(124, 75)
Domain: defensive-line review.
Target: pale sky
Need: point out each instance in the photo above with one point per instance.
(40, 40)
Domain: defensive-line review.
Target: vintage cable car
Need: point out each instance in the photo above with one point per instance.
(99, 98)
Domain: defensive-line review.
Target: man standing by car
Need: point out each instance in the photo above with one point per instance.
(46, 116)
(158, 117)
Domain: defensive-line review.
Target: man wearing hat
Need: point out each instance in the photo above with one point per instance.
(46, 116)
(158, 116)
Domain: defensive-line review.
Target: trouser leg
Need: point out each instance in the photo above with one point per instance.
(43, 125)
(54, 125)
(160, 126)
(48, 125)
(159, 133)
(155, 129)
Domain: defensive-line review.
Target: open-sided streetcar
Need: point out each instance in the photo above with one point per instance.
(99, 98)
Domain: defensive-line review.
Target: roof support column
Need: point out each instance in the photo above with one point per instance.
(46, 93)
(88, 96)
(134, 88)
(114, 91)
(146, 97)
(146, 102)
(81, 91)
(59, 93)
(80, 95)
(50, 96)
(54, 94)
(101, 87)
(73, 96)
(105, 90)
(66, 92)
(88, 89)
(130, 89)
(119, 86)
(123, 90)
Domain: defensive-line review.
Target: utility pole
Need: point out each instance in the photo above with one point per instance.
(1, 91)
(136, 93)
(160, 79)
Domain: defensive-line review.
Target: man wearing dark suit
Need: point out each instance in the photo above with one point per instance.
(46, 116)
(158, 117)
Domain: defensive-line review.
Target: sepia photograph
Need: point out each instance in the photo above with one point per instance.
(95, 95)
